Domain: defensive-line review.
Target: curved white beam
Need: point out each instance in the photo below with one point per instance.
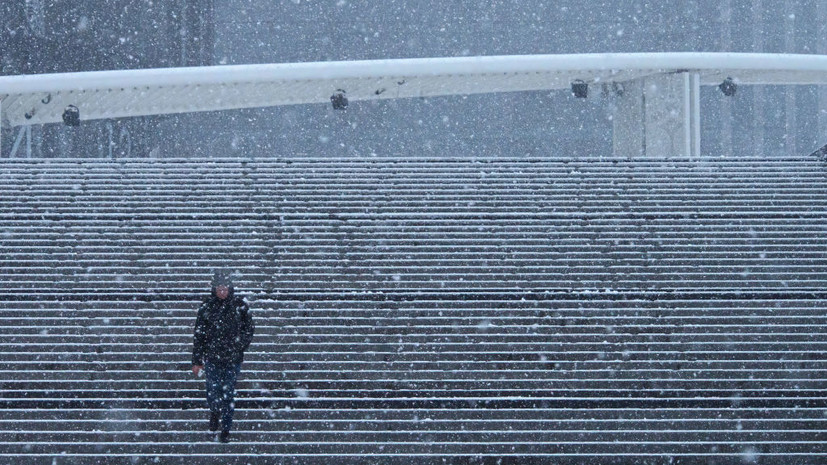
(38, 99)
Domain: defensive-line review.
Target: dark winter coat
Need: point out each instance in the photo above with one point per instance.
(223, 330)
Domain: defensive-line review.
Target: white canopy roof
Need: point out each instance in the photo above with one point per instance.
(38, 99)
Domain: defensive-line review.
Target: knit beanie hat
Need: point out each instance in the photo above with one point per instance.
(222, 277)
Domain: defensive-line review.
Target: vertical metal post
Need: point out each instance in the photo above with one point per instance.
(821, 47)
(695, 115)
(98, 138)
(125, 137)
(28, 142)
(1, 128)
(790, 104)
(758, 94)
(208, 32)
(111, 144)
(185, 33)
(725, 104)
(37, 136)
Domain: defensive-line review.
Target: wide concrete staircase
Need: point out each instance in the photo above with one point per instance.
(434, 311)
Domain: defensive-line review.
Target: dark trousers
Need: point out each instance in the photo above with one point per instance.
(221, 381)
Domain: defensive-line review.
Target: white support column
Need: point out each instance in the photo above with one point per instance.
(695, 115)
(629, 129)
(659, 116)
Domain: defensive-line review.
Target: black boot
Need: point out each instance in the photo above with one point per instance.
(224, 437)
(213, 421)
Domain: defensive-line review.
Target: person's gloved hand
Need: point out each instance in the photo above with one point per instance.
(196, 369)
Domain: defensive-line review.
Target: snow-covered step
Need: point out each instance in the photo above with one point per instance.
(688, 323)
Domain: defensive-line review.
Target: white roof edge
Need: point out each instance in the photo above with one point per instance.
(666, 62)
(41, 99)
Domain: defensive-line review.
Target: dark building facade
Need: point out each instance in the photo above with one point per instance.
(126, 34)
(56, 36)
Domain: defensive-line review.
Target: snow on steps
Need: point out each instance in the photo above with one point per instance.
(445, 311)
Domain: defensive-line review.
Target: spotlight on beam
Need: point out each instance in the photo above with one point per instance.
(71, 116)
(728, 87)
(339, 100)
(580, 89)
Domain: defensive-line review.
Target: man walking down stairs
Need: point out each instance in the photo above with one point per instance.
(223, 331)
